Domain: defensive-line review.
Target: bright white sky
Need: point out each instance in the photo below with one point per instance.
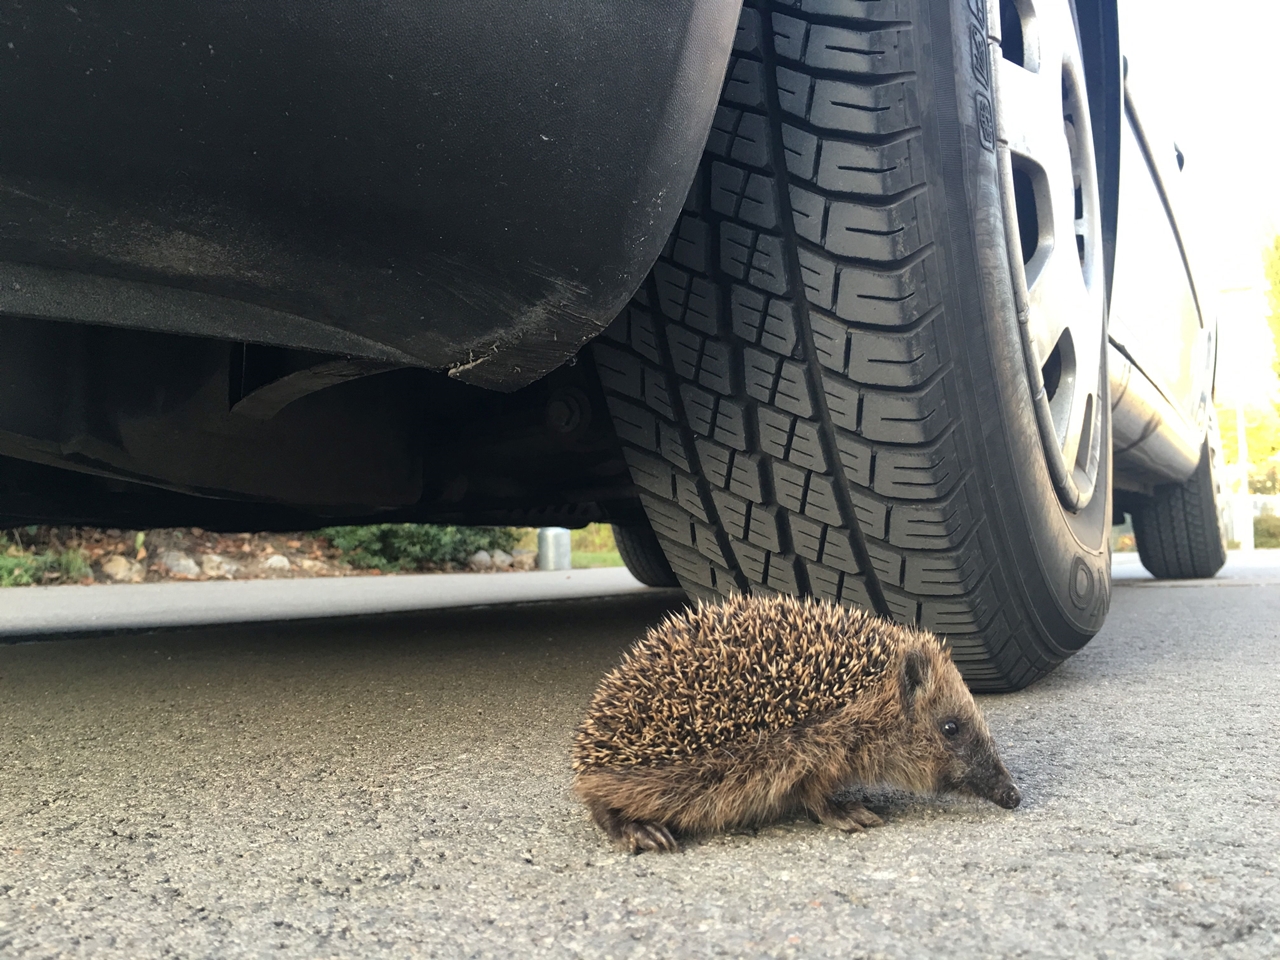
(1214, 69)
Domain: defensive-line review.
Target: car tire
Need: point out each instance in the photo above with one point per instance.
(824, 386)
(1179, 530)
(644, 557)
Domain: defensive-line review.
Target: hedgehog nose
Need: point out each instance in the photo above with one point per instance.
(1009, 797)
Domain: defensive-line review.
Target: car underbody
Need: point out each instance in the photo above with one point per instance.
(120, 428)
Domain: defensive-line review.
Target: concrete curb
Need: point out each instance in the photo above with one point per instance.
(31, 611)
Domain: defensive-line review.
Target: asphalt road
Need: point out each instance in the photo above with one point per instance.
(397, 786)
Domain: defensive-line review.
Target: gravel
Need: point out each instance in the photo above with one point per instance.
(399, 786)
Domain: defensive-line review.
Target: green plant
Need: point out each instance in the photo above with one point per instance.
(1266, 531)
(17, 571)
(394, 547)
(21, 567)
(72, 564)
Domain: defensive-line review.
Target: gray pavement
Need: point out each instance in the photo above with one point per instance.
(398, 786)
(1252, 567)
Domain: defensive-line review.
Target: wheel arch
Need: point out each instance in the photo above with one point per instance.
(473, 187)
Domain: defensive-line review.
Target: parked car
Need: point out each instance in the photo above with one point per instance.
(882, 301)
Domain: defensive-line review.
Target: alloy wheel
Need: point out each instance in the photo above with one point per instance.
(1052, 215)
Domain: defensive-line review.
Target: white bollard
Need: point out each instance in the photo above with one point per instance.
(554, 550)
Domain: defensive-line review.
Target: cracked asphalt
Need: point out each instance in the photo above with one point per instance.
(398, 786)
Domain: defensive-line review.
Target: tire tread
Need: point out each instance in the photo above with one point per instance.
(1178, 530)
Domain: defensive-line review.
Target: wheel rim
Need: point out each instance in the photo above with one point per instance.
(1053, 225)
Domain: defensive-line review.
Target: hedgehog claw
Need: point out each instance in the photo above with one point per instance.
(639, 835)
(847, 816)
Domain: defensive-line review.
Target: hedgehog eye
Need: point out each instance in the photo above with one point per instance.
(950, 728)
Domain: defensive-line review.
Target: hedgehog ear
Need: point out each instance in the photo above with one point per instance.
(915, 674)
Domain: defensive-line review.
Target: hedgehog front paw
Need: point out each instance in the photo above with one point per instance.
(637, 835)
(848, 816)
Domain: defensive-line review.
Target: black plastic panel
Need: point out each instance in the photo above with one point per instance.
(478, 185)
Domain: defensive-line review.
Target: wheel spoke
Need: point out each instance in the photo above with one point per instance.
(1031, 116)
(1056, 299)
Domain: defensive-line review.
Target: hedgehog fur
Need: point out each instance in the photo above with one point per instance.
(743, 711)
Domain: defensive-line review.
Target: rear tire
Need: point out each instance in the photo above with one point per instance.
(1179, 530)
(642, 553)
(822, 387)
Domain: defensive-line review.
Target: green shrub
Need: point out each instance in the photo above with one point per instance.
(393, 547)
(593, 538)
(594, 546)
(1266, 531)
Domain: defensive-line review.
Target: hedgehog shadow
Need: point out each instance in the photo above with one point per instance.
(897, 808)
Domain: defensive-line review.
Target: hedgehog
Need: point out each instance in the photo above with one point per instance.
(742, 712)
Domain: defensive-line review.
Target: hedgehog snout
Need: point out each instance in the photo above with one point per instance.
(998, 787)
(1009, 797)
(981, 773)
